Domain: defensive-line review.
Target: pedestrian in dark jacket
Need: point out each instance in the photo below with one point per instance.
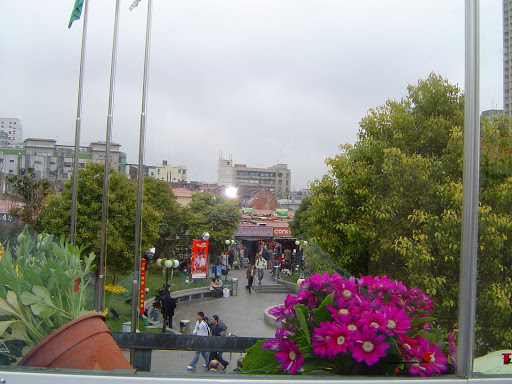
(168, 305)
(218, 329)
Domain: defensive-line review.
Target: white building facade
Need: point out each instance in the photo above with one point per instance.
(12, 127)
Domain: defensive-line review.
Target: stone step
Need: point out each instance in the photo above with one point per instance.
(271, 288)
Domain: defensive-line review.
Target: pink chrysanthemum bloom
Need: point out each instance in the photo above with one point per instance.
(408, 346)
(308, 298)
(290, 356)
(320, 339)
(280, 312)
(368, 346)
(275, 343)
(453, 348)
(377, 282)
(397, 321)
(339, 340)
(325, 282)
(430, 360)
(375, 320)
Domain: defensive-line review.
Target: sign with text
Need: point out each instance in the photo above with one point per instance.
(254, 231)
(282, 232)
(142, 285)
(199, 261)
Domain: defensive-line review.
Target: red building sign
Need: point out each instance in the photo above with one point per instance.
(282, 232)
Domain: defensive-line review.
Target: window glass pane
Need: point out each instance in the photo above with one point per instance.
(493, 320)
(362, 101)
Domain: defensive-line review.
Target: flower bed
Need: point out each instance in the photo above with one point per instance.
(370, 325)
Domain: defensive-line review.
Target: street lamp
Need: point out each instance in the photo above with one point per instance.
(168, 264)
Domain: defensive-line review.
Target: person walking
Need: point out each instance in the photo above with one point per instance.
(201, 329)
(218, 329)
(261, 264)
(241, 257)
(250, 277)
(168, 306)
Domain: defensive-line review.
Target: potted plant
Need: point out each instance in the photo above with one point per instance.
(370, 325)
(43, 296)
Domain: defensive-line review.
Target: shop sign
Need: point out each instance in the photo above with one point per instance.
(282, 232)
(256, 231)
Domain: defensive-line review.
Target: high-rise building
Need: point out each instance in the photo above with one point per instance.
(12, 127)
(507, 57)
(277, 179)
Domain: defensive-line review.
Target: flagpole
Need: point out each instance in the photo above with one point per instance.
(140, 179)
(78, 124)
(99, 297)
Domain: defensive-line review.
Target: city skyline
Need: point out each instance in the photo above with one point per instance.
(262, 82)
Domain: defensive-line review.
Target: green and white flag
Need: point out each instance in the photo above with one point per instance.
(77, 12)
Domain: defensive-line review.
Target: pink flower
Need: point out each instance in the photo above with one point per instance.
(368, 346)
(281, 312)
(432, 360)
(290, 356)
(453, 348)
(275, 344)
(397, 321)
(372, 319)
(339, 340)
(382, 282)
(320, 339)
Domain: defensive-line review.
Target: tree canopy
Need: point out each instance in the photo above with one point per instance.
(391, 204)
(56, 213)
(208, 212)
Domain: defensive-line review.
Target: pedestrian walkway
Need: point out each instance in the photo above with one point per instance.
(243, 314)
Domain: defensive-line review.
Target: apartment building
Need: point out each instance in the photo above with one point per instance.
(11, 126)
(277, 179)
(168, 173)
(50, 160)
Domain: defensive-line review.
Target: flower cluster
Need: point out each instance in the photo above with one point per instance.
(117, 289)
(365, 325)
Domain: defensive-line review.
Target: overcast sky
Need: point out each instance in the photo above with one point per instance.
(261, 82)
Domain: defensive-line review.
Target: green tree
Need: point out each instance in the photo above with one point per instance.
(32, 192)
(301, 223)
(391, 204)
(56, 214)
(158, 194)
(208, 212)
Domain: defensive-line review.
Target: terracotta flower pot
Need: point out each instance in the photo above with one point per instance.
(83, 343)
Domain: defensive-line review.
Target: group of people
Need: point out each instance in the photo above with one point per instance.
(204, 327)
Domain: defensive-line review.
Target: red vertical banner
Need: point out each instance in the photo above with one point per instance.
(199, 261)
(142, 285)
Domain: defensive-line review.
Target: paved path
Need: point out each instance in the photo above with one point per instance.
(243, 314)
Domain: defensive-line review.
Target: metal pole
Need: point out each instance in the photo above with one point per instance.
(99, 302)
(140, 179)
(78, 123)
(469, 249)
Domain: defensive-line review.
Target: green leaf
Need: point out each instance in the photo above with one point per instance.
(427, 335)
(301, 312)
(43, 293)
(4, 325)
(322, 314)
(12, 299)
(19, 331)
(259, 360)
(6, 309)
(421, 320)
